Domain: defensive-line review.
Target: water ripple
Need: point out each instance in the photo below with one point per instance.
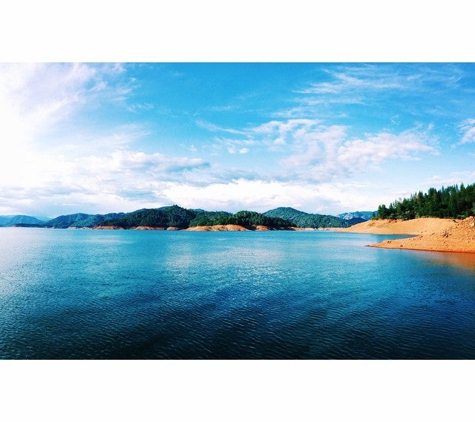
(160, 295)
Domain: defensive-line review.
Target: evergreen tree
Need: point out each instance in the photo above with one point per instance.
(447, 202)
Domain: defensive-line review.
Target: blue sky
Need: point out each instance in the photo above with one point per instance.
(320, 137)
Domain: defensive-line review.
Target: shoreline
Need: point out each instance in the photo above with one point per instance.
(215, 228)
(218, 227)
(404, 248)
(427, 234)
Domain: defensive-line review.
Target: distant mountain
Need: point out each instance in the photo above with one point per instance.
(306, 220)
(248, 219)
(81, 220)
(363, 215)
(172, 216)
(210, 218)
(175, 216)
(13, 220)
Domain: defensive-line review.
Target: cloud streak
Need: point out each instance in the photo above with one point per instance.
(467, 128)
(309, 150)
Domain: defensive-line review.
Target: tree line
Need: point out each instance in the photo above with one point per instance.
(175, 216)
(303, 219)
(241, 218)
(448, 202)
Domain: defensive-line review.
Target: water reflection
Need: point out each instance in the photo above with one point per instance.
(465, 260)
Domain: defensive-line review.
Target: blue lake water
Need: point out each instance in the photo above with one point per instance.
(79, 294)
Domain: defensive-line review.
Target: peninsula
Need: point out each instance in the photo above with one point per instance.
(438, 220)
(428, 234)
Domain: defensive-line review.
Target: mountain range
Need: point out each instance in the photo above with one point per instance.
(365, 215)
(175, 216)
(14, 220)
(305, 220)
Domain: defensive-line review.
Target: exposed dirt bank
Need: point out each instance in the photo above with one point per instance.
(218, 228)
(147, 228)
(107, 228)
(416, 226)
(234, 227)
(431, 234)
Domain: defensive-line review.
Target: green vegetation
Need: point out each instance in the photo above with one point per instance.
(80, 220)
(175, 216)
(182, 218)
(65, 221)
(450, 202)
(247, 219)
(305, 220)
(19, 221)
(210, 218)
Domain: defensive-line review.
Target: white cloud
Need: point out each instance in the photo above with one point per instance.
(215, 128)
(320, 153)
(378, 148)
(365, 77)
(307, 150)
(42, 94)
(232, 146)
(281, 129)
(261, 196)
(37, 162)
(35, 97)
(468, 131)
(235, 195)
(233, 150)
(274, 135)
(123, 176)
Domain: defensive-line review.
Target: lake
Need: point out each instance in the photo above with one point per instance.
(81, 294)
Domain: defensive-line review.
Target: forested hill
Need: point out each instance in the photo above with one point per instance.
(80, 220)
(303, 219)
(175, 216)
(448, 202)
(14, 220)
(241, 218)
(182, 218)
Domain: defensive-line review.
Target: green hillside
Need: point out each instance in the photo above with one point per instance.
(80, 220)
(241, 218)
(19, 220)
(175, 216)
(305, 220)
(172, 216)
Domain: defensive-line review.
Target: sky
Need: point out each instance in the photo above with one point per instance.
(323, 138)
